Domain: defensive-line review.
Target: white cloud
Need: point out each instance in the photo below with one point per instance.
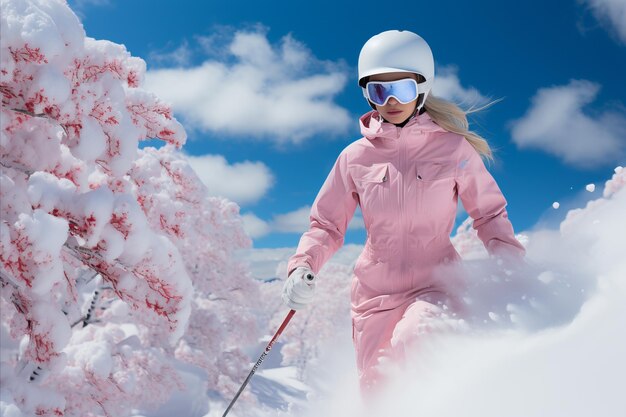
(254, 226)
(179, 57)
(267, 263)
(611, 13)
(258, 90)
(557, 123)
(247, 182)
(296, 221)
(448, 86)
(357, 221)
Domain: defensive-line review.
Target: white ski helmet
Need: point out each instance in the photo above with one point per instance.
(398, 51)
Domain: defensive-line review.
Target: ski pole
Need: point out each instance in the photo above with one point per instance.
(258, 363)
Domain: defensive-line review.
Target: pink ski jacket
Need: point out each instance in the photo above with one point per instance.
(407, 182)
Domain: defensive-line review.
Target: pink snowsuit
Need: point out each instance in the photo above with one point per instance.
(406, 181)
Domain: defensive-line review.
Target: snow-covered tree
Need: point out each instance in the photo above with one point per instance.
(100, 241)
(207, 231)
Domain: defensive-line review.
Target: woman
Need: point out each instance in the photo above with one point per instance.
(416, 158)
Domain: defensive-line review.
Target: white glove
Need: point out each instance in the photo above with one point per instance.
(299, 288)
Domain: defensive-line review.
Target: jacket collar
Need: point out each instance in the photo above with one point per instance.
(373, 126)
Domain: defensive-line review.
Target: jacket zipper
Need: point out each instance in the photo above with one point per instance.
(403, 227)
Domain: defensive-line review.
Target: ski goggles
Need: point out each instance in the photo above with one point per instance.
(405, 91)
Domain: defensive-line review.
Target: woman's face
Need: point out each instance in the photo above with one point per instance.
(394, 111)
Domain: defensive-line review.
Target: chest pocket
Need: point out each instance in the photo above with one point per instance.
(372, 183)
(434, 170)
(374, 174)
(435, 186)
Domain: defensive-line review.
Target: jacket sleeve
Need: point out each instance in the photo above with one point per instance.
(485, 203)
(331, 212)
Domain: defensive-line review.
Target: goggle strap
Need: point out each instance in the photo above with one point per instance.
(424, 86)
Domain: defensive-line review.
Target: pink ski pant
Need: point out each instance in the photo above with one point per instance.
(390, 333)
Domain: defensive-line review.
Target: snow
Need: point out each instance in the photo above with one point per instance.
(93, 142)
(7, 405)
(555, 205)
(590, 187)
(58, 87)
(36, 28)
(94, 357)
(46, 232)
(49, 320)
(46, 191)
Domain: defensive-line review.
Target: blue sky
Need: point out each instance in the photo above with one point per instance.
(267, 92)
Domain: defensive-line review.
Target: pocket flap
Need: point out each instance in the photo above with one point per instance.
(434, 170)
(373, 173)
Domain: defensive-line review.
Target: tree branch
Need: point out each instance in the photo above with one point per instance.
(41, 116)
(94, 301)
(17, 167)
(30, 113)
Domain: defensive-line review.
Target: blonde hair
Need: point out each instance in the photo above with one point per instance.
(453, 118)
